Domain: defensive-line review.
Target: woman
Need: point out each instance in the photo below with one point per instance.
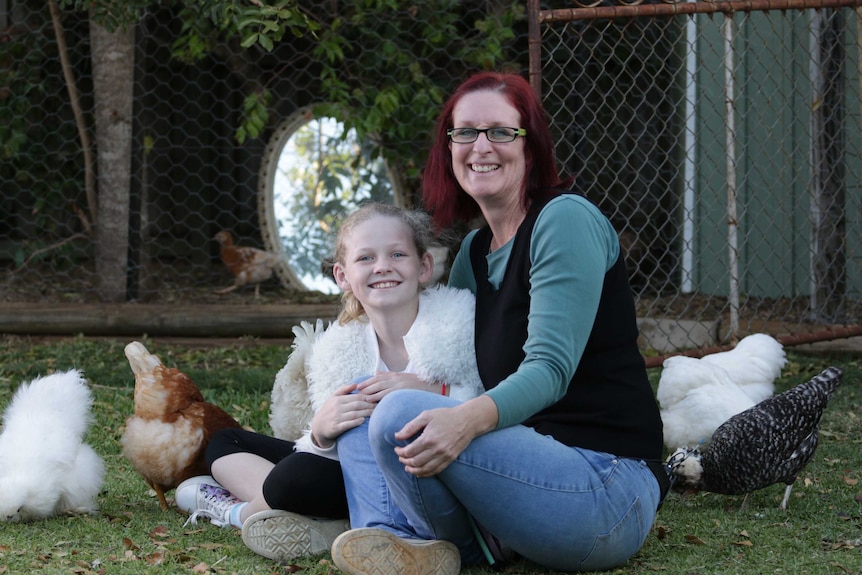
(560, 459)
(288, 497)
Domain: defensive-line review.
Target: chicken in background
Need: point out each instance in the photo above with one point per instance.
(45, 467)
(695, 398)
(249, 266)
(166, 438)
(753, 364)
(769, 443)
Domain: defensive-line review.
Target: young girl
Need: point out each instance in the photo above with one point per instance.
(288, 496)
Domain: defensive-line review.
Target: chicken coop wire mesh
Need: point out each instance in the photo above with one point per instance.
(285, 189)
(723, 144)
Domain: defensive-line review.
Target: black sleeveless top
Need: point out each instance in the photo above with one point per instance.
(609, 405)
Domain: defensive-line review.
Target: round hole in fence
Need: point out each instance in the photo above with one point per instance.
(313, 174)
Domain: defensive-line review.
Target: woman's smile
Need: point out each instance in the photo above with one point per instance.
(485, 168)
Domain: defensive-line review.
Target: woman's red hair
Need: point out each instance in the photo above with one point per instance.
(442, 194)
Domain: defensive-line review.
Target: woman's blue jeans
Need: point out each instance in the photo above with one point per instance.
(562, 507)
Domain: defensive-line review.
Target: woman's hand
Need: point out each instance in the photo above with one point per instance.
(442, 434)
(380, 384)
(343, 411)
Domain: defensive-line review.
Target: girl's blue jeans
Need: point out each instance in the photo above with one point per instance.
(562, 507)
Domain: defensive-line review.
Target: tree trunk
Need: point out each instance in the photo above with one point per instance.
(113, 58)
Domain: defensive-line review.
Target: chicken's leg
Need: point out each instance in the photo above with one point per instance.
(160, 493)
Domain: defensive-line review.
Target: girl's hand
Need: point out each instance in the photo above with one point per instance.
(341, 412)
(442, 434)
(379, 385)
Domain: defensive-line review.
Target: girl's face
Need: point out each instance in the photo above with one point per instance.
(488, 172)
(382, 266)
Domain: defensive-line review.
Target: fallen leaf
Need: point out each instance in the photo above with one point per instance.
(745, 543)
(201, 568)
(160, 531)
(155, 558)
(129, 544)
(850, 481)
(694, 539)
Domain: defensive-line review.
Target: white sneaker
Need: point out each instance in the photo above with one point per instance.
(202, 499)
(186, 494)
(281, 535)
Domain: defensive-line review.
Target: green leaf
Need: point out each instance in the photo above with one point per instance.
(265, 42)
(249, 40)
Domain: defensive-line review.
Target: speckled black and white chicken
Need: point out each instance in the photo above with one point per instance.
(769, 443)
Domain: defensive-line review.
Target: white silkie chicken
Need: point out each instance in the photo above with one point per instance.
(290, 409)
(45, 468)
(695, 398)
(698, 395)
(754, 364)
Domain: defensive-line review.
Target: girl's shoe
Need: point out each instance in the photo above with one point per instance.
(202, 496)
(281, 535)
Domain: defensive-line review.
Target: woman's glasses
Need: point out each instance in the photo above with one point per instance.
(495, 135)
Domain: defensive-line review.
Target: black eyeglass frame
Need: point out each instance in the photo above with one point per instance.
(453, 132)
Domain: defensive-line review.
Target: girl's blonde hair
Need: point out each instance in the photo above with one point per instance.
(423, 237)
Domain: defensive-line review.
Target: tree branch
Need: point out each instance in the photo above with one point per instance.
(89, 176)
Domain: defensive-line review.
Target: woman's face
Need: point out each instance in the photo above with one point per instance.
(490, 173)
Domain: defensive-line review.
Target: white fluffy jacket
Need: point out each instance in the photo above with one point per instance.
(440, 346)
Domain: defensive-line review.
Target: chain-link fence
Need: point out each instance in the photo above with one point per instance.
(722, 138)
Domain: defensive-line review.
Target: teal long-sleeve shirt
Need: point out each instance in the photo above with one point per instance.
(573, 245)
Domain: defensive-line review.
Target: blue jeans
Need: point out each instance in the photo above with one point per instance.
(562, 507)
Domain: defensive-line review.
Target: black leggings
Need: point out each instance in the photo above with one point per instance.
(300, 482)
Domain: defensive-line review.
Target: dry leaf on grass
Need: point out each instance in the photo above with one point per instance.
(695, 540)
(156, 558)
(129, 544)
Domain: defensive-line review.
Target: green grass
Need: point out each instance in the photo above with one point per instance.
(819, 534)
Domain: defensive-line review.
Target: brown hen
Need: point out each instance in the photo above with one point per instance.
(166, 438)
(248, 265)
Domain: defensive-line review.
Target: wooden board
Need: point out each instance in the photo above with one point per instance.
(270, 321)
